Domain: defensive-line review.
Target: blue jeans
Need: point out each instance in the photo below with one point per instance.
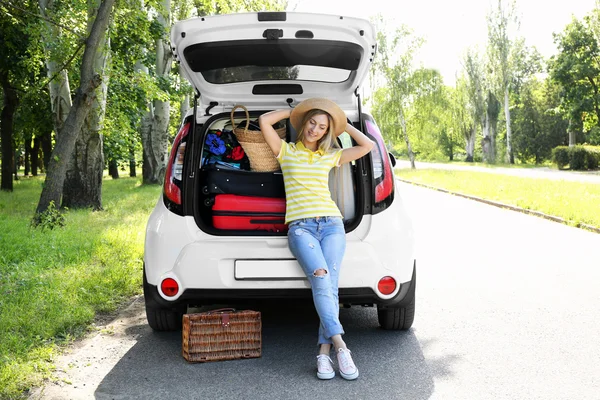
(320, 243)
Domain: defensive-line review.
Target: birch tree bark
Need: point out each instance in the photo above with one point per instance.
(60, 92)
(185, 105)
(155, 125)
(411, 155)
(65, 142)
(471, 143)
(83, 181)
(145, 134)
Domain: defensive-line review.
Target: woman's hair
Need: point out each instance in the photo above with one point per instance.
(327, 142)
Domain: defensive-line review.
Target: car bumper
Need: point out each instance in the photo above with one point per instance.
(356, 296)
(215, 268)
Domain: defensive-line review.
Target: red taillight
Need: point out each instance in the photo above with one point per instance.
(386, 285)
(382, 169)
(169, 287)
(175, 167)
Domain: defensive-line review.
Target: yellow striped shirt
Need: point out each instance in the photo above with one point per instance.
(306, 180)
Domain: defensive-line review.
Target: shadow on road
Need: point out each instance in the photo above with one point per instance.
(391, 364)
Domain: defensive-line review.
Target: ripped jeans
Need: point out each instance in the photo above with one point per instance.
(320, 243)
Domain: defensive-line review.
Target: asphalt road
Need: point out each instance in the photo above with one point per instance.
(507, 308)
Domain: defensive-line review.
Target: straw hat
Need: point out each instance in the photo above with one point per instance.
(337, 114)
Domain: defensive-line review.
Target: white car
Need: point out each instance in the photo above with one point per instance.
(266, 61)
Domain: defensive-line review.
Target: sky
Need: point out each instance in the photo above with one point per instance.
(449, 27)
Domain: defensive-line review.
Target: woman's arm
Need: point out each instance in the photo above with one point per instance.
(266, 122)
(363, 145)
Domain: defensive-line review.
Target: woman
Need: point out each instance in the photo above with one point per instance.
(316, 233)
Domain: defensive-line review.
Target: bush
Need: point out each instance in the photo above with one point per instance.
(577, 157)
(593, 157)
(560, 156)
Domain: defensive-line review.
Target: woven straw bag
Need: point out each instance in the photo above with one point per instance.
(254, 145)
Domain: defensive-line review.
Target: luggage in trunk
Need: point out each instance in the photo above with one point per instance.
(243, 183)
(233, 212)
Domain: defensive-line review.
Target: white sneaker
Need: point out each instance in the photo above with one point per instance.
(324, 367)
(347, 368)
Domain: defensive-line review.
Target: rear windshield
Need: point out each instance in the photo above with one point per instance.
(254, 60)
(249, 73)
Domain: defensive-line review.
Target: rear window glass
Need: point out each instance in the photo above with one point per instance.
(273, 60)
(258, 73)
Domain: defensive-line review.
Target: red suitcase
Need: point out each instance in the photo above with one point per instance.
(233, 212)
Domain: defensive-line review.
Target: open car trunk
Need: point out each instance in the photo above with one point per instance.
(265, 59)
(233, 200)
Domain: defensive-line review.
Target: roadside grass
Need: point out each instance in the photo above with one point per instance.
(546, 164)
(576, 202)
(502, 165)
(53, 283)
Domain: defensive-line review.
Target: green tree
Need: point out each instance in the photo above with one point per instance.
(34, 125)
(130, 35)
(450, 138)
(474, 72)
(502, 23)
(19, 73)
(539, 126)
(426, 115)
(393, 65)
(576, 68)
(462, 111)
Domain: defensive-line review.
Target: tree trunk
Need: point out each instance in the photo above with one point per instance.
(487, 140)
(184, 106)
(6, 131)
(159, 142)
(155, 140)
(145, 129)
(82, 186)
(492, 111)
(509, 153)
(27, 157)
(46, 143)
(471, 144)
(65, 142)
(35, 153)
(83, 181)
(572, 134)
(113, 169)
(60, 92)
(411, 155)
(132, 162)
(16, 162)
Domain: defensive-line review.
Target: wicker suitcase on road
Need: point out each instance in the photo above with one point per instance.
(219, 335)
